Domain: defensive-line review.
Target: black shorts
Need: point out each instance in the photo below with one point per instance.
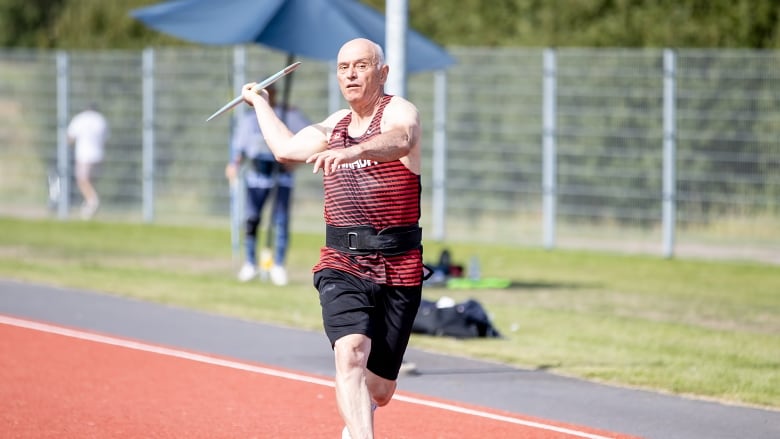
(351, 305)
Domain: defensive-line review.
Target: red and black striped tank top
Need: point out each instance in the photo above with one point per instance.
(370, 193)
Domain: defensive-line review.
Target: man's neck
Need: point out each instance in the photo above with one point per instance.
(366, 108)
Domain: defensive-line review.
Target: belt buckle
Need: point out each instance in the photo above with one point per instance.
(352, 238)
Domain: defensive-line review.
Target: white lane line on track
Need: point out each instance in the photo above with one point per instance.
(129, 344)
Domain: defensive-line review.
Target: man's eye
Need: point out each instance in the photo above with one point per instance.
(361, 66)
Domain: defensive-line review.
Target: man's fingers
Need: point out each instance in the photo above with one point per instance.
(326, 160)
(317, 159)
(245, 92)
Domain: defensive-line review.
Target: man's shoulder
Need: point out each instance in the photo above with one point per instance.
(399, 101)
(400, 110)
(334, 118)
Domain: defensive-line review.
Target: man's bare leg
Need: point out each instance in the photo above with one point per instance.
(352, 391)
(84, 182)
(380, 389)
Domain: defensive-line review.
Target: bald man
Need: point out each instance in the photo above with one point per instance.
(369, 275)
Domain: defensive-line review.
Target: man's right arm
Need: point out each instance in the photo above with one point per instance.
(286, 146)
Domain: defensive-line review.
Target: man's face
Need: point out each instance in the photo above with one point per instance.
(358, 73)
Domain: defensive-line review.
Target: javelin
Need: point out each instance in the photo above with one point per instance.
(265, 83)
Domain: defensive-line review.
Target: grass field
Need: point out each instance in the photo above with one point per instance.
(697, 328)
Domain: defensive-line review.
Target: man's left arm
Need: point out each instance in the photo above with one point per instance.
(399, 140)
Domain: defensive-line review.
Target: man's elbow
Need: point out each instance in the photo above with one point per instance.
(285, 157)
(406, 143)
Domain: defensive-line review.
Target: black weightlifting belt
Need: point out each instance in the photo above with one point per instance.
(364, 240)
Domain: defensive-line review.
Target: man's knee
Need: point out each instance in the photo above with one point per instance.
(380, 389)
(352, 350)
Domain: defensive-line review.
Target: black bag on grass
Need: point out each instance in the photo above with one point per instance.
(463, 320)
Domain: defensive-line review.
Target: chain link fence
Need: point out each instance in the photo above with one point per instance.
(623, 150)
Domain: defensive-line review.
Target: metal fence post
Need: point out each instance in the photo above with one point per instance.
(63, 164)
(439, 201)
(396, 18)
(148, 135)
(548, 148)
(670, 146)
(334, 93)
(237, 186)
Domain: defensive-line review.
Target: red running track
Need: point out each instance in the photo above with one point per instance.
(65, 383)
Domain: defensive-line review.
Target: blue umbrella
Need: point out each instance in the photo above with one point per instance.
(309, 28)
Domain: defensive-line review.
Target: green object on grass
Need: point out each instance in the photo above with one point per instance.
(491, 283)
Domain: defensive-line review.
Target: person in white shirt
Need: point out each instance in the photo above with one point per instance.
(88, 132)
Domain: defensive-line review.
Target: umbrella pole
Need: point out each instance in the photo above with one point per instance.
(287, 89)
(275, 191)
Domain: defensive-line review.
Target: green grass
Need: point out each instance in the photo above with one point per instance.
(697, 328)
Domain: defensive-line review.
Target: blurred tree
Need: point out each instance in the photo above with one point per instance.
(598, 23)
(110, 24)
(91, 24)
(27, 23)
(76, 24)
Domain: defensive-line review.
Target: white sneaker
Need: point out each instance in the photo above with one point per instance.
(278, 275)
(88, 209)
(247, 273)
(408, 368)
